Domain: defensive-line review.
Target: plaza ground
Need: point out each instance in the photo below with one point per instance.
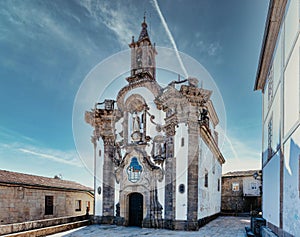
(225, 226)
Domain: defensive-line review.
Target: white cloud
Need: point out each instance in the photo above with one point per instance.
(213, 48)
(41, 25)
(20, 145)
(205, 49)
(69, 158)
(240, 155)
(114, 16)
(9, 134)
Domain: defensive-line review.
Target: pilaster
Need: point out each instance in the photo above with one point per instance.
(170, 184)
(108, 181)
(193, 154)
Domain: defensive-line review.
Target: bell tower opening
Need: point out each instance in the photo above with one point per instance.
(135, 209)
(142, 56)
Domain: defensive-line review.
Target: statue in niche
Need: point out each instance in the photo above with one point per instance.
(204, 119)
(158, 150)
(136, 127)
(118, 155)
(204, 115)
(136, 123)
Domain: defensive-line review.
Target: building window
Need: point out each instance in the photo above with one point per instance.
(88, 206)
(270, 87)
(48, 205)
(77, 205)
(235, 187)
(270, 135)
(181, 188)
(139, 58)
(219, 185)
(182, 141)
(206, 179)
(253, 186)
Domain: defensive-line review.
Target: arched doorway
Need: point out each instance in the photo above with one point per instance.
(135, 209)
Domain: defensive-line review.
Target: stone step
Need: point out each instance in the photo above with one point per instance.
(38, 224)
(249, 232)
(49, 230)
(240, 214)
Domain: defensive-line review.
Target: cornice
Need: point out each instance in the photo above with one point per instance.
(212, 113)
(272, 28)
(210, 142)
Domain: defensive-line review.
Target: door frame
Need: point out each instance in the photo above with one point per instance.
(142, 207)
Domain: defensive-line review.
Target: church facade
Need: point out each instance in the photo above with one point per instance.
(162, 165)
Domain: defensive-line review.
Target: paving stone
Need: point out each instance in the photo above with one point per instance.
(225, 226)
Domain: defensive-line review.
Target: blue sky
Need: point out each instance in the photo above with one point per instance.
(48, 47)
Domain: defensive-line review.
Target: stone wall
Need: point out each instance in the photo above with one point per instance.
(19, 204)
(235, 201)
(39, 224)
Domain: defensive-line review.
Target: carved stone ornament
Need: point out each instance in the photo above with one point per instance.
(158, 149)
(134, 170)
(108, 141)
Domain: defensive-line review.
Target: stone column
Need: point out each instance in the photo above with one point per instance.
(170, 182)
(108, 182)
(125, 127)
(193, 154)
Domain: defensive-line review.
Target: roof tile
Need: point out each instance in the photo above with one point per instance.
(33, 180)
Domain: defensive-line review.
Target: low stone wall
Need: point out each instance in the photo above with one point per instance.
(205, 220)
(31, 225)
(23, 204)
(49, 230)
(267, 232)
(164, 224)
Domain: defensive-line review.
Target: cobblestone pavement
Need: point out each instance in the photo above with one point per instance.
(225, 226)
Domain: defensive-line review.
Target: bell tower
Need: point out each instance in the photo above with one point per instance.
(142, 56)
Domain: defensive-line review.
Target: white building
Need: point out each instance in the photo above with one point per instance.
(278, 79)
(162, 166)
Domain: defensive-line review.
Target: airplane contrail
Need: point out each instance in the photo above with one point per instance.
(220, 129)
(170, 37)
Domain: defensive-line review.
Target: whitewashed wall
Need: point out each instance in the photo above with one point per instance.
(275, 114)
(291, 91)
(99, 180)
(285, 110)
(291, 192)
(117, 195)
(271, 190)
(291, 139)
(161, 195)
(209, 198)
(291, 27)
(181, 154)
(251, 186)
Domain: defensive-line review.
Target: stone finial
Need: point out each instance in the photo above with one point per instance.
(193, 81)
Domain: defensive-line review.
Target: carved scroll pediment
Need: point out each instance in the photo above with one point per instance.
(196, 96)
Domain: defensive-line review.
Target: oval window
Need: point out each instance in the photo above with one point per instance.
(181, 188)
